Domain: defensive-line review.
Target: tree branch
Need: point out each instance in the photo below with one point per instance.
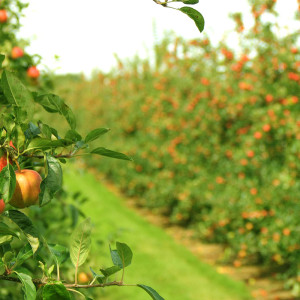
(36, 282)
(41, 156)
(39, 283)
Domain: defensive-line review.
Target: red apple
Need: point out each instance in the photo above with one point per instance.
(16, 52)
(3, 16)
(33, 72)
(27, 189)
(2, 206)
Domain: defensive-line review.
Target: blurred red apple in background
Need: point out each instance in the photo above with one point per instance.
(16, 52)
(3, 16)
(33, 72)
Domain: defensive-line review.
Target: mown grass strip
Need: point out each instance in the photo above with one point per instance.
(158, 261)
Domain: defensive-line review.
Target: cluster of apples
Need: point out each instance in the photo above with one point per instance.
(17, 52)
(32, 71)
(27, 187)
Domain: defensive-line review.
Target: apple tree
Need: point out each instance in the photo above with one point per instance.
(25, 144)
(31, 175)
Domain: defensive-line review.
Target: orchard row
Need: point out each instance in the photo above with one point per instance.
(215, 135)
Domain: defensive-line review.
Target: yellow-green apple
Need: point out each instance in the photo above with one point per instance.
(27, 189)
(84, 277)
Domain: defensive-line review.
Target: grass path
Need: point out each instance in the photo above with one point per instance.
(158, 260)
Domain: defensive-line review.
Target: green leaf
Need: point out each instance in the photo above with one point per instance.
(122, 256)
(26, 226)
(106, 152)
(7, 183)
(154, 295)
(2, 268)
(5, 239)
(195, 16)
(5, 230)
(110, 271)
(44, 144)
(19, 136)
(54, 104)
(73, 135)
(94, 134)
(116, 259)
(53, 182)
(74, 215)
(56, 291)
(32, 131)
(8, 257)
(125, 253)
(100, 278)
(3, 100)
(21, 115)
(15, 92)
(190, 1)
(2, 57)
(60, 253)
(45, 130)
(80, 243)
(25, 253)
(27, 286)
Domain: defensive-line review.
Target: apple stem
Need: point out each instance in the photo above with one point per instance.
(17, 165)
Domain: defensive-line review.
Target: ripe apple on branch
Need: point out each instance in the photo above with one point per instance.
(27, 184)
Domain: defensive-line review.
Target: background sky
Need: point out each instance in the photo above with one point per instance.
(86, 34)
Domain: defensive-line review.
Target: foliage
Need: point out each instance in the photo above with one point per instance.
(21, 61)
(215, 138)
(195, 15)
(28, 143)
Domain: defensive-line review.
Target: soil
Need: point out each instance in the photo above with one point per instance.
(262, 284)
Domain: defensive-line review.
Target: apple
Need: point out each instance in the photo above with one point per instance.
(16, 52)
(2, 206)
(3, 16)
(27, 189)
(33, 72)
(84, 277)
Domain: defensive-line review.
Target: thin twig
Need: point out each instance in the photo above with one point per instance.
(86, 286)
(39, 282)
(42, 156)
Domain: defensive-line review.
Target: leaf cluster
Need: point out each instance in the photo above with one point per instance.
(39, 143)
(50, 258)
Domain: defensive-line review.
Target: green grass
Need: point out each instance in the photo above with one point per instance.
(158, 261)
